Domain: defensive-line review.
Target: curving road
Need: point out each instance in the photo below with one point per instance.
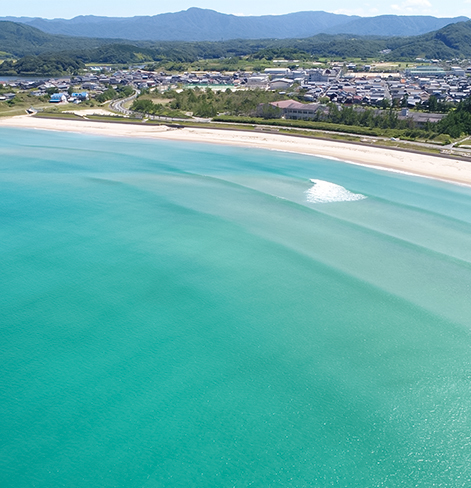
(118, 104)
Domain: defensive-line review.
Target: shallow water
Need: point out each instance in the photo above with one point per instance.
(178, 315)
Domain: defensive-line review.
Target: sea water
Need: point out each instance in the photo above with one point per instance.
(186, 315)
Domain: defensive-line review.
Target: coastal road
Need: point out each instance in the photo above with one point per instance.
(117, 105)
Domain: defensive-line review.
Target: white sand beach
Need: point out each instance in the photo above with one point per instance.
(448, 169)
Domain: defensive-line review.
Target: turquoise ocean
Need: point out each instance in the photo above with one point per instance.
(188, 315)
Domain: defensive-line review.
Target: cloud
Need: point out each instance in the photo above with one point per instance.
(413, 6)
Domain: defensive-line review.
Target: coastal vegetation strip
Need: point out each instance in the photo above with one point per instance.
(281, 130)
(258, 107)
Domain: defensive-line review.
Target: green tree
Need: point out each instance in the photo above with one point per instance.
(108, 94)
(268, 111)
(143, 106)
(432, 103)
(385, 103)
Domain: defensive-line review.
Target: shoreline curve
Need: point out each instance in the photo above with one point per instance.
(432, 166)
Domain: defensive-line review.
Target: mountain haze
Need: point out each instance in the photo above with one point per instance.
(197, 24)
(452, 41)
(394, 25)
(194, 24)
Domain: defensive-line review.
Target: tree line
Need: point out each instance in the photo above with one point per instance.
(244, 105)
(207, 102)
(458, 121)
(46, 64)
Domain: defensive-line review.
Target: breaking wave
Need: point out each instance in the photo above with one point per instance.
(326, 192)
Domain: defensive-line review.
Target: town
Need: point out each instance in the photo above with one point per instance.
(341, 84)
(302, 92)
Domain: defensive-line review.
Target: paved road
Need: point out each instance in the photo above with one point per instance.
(118, 104)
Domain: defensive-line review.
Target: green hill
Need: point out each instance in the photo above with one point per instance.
(452, 41)
(22, 40)
(197, 24)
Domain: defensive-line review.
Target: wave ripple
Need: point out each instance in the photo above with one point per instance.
(326, 192)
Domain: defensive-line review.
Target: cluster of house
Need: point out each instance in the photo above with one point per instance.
(338, 84)
(70, 98)
(59, 87)
(408, 89)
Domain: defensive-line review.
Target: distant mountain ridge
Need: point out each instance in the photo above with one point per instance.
(450, 42)
(196, 24)
(394, 25)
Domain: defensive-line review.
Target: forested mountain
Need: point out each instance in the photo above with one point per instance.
(21, 40)
(197, 24)
(394, 25)
(194, 24)
(452, 41)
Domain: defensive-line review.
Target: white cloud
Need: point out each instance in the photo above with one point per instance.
(413, 6)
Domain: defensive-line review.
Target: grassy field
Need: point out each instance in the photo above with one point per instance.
(155, 96)
(57, 115)
(20, 104)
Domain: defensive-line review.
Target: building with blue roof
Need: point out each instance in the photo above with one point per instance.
(58, 98)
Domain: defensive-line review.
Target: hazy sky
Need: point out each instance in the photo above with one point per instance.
(122, 8)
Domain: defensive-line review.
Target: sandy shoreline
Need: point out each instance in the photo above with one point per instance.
(448, 169)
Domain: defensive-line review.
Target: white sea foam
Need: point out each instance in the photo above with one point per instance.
(326, 192)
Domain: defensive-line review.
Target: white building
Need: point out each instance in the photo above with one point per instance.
(260, 81)
(280, 84)
(277, 71)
